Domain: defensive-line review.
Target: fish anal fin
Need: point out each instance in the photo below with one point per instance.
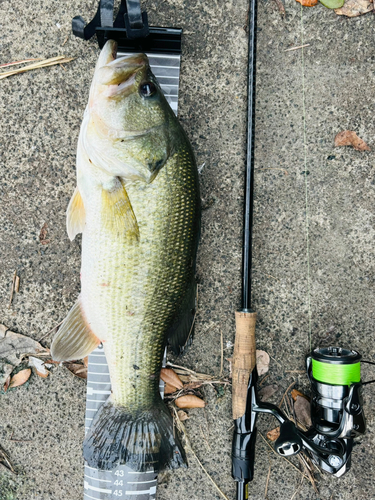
(75, 215)
(74, 339)
(181, 331)
(117, 212)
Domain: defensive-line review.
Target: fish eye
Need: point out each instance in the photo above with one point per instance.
(147, 89)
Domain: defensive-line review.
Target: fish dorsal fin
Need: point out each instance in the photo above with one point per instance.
(75, 215)
(117, 212)
(74, 339)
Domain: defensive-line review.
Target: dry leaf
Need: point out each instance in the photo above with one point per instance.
(86, 361)
(308, 3)
(77, 369)
(302, 410)
(182, 415)
(39, 366)
(169, 389)
(263, 362)
(350, 138)
(296, 393)
(266, 392)
(274, 434)
(354, 8)
(170, 377)
(5, 370)
(190, 402)
(20, 378)
(6, 384)
(14, 346)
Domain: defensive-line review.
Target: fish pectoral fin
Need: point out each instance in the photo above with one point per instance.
(74, 339)
(181, 331)
(75, 215)
(117, 212)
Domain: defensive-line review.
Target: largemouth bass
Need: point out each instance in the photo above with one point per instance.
(137, 205)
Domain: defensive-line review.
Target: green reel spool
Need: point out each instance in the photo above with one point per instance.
(336, 366)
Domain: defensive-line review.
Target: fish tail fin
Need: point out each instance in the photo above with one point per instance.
(144, 440)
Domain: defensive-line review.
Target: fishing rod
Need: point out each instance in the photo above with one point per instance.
(334, 373)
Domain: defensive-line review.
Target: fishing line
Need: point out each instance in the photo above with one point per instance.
(306, 181)
(336, 374)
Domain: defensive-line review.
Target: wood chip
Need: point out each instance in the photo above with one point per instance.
(354, 8)
(190, 402)
(20, 378)
(170, 377)
(350, 138)
(274, 434)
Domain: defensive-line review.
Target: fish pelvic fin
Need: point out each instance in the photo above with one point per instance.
(117, 212)
(141, 441)
(74, 339)
(75, 215)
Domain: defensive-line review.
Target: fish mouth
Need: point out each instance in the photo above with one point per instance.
(122, 71)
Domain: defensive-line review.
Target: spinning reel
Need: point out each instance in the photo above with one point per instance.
(336, 413)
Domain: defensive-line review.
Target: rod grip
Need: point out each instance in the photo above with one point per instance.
(243, 361)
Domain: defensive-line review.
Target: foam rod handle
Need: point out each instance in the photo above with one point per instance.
(244, 359)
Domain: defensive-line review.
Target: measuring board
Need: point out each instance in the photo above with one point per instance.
(123, 482)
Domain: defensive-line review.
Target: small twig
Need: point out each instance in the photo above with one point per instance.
(205, 439)
(273, 168)
(12, 288)
(296, 48)
(289, 462)
(66, 39)
(5, 460)
(42, 64)
(268, 477)
(46, 335)
(17, 284)
(262, 381)
(19, 62)
(63, 67)
(308, 472)
(295, 371)
(297, 490)
(222, 353)
(182, 429)
(18, 440)
(285, 393)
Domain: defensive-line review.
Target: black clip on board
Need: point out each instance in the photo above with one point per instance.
(163, 47)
